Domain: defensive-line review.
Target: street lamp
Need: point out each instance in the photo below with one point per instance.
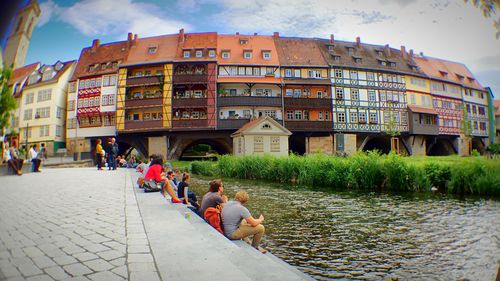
(26, 148)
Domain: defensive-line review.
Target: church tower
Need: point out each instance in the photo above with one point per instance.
(18, 42)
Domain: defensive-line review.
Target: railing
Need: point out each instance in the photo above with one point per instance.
(249, 100)
(308, 103)
(189, 102)
(143, 124)
(294, 125)
(144, 80)
(423, 129)
(232, 123)
(189, 123)
(190, 78)
(143, 102)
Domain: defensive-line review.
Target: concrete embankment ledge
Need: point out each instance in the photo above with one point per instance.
(190, 249)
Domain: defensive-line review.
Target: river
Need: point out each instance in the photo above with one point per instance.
(374, 236)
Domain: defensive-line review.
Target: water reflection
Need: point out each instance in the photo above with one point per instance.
(372, 236)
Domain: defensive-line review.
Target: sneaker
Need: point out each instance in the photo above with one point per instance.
(176, 200)
(262, 250)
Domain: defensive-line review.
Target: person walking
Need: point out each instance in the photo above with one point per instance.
(110, 154)
(239, 223)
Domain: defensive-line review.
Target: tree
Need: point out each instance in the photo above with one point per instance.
(466, 127)
(489, 9)
(7, 101)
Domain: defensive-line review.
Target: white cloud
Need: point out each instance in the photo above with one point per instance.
(49, 9)
(115, 18)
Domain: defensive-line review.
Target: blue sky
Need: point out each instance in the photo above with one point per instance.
(447, 29)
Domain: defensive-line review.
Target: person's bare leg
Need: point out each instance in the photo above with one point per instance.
(170, 190)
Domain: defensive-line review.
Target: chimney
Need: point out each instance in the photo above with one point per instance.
(129, 37)
(95, 44)
(387, 50)
(332, 39)
(135, 39)
(276, 35)
(411, 53)
(403, 52)
(181, 35)
(422, 54)
(237, 33)
(358, 42)
(255, 33)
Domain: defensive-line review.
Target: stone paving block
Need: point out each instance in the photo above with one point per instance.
(139, 258)
(121, 271)
(9, 271)
(43, 262)
(110, 255)
(138, 249)
(5, 255)
(137, 235)
(17, 278)
(137, 241)
(43, 277)
(73, 250)
(27, 242)
(28, 269)
(17, 253)
(77, 269)
(97, 238)
(56, 272)
(95, 248)
(55, 253)
(141, 266)
(77, 278)
(118, 262)
(21, 260)
(81, 242)
(144, 275)
(105, 276)
(65, 260)
(86, 256)
(98, 265)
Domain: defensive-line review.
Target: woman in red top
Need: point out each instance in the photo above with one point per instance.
(155, 173)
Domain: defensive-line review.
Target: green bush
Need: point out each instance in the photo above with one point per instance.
(205, 168)
(438, 174)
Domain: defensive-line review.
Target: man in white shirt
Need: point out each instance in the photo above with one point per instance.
(35, 161)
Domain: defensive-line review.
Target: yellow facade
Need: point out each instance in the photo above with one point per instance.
(167, 95)
(304, 72)
(418, 91)
(120, 100)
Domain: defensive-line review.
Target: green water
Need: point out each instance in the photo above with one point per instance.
(374, 236)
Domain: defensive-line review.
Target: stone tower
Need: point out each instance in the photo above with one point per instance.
(20, 35)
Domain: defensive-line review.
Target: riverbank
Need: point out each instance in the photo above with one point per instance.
(364, 171)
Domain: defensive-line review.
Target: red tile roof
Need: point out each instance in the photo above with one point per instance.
(105, 53)
(299, 52)
(21, 73)
(193, 41)
(447, 70)
(419, 109)
(166, 48)
(237, 44)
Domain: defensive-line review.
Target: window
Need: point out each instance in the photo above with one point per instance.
(44, 131)
(58, 112)
(481, 111)
(58, 131)
(353, 116)
(111, 100)
(341, 117)
(474, 109)
(338, 73)
(327, 115)
(247, 55)
(186, 54)
(373, 118)
(197, 94)
(199, 53)
(482, 126)
(339, 93)
(81, 85)
(258, 144)
(266, 127)
(319, 94)
(354, 94)
(353, 75)
(288, 72)
(44, 95)
(417, 82)
(232, 92)
(298, 114)
(256, 71)
(112, 80)
(314, 74)
(98, 82)
(225, 55)
(195, 115)
(289, 114)
(320, 115)
(105, 81)
(43, 112)
(275, 144)
(87, 84)
(296, 73)
(370, 76)
(92, 83)
(412, 99)
(266, 55)
(362, 117)
(72, 87)
(211, 53)
(30, 98)
(28, 114)
(246, 114)
(243, 41)
(152, 50)
(71, 105)
(372, 96)
(105, 99)
(296, 93)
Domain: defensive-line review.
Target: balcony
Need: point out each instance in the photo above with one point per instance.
(189, 102)
(190, 78)
(249, 101)
(420, 128)
(145, 102)
(189, 123)
(308, 103)
(143, 125)
(233, 124)
(309, 126)
(144, 81)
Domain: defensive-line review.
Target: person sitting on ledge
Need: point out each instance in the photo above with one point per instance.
(239, 223)
(155, 173)
(185, 194)
(213, 197)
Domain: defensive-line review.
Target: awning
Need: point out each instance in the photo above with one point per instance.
(420, 109)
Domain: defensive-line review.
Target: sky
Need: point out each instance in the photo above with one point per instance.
(447, 29)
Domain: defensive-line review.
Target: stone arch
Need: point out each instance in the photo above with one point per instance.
(479, 145)
(441, 147)
(380, 143)
(180, 145)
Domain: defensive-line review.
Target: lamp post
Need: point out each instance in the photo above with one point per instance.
(26, 148)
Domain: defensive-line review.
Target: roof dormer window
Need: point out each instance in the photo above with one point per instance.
(336, 58)
(186, 54)
(211, 53)
(357, 59)
(331, 48)
(199, 53)
(59, 65)
(115, 64)
(103, 66)
(443, 73)
(92, 67)
(152, 50)
(350, 50)
(225, 54)
(471, 80)
(247, 54)
(460, 77)
(392, 64)
(243, 41)
(266, 55)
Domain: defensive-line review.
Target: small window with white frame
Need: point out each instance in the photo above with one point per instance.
(186, 53)
(247, 54)
(266, 55)
(211, 53)
(152, 50)
(199, 53)
(225, 54)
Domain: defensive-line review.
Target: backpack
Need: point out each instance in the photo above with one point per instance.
(212, 216)
(150, 186)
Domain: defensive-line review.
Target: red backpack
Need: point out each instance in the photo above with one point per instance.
(212, 216)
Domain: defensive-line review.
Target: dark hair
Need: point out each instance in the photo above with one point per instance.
(157, 159)
(214, 185)
(97, 141)
(169, 173)
(185, 176)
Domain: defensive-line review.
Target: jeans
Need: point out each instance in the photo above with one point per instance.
(111, 161)
(246, 230)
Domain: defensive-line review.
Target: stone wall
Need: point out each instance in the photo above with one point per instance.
(158, 145)
(319, 145)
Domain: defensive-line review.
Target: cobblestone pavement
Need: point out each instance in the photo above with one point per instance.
(72, 224)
